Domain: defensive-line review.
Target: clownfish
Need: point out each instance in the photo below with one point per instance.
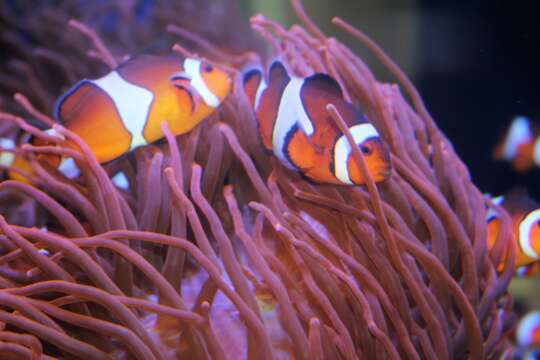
(17, 165)
(65, 165)
(525, 215)
(520, 145)
(124, 110)
(295, 125)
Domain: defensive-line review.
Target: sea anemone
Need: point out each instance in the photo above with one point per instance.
(215, 250)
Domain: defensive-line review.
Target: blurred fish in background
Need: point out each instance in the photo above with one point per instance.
(520, 145)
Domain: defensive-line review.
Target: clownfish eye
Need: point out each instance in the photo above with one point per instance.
(366, 149)
(208, 68)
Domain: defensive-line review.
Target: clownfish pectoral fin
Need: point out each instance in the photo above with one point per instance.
(182, 81)
(254, 86)
(194, 104)
(181, 75)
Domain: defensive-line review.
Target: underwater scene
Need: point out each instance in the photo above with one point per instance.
(288, 179)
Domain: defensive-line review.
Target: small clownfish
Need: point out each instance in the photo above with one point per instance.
(294, 123)
(66, 165)
(125, 109)
(525, 215)
(16, 165)
(520, 145)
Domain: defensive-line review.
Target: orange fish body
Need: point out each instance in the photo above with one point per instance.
(525, 215)
(520, 145)
(295, 125)
(125, 109)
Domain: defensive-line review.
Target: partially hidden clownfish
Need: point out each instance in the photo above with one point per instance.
(295, 125)
(520, 145)
(16, 165)
(125, 109)
(525, 215)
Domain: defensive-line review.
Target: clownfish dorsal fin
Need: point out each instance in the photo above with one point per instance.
(325, 84)
(68, 102)
(277, 72)
(254, 85)
(319, 90)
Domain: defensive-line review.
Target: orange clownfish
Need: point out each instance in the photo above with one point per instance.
(295, 124)
(520, 145)
(17, 165)
(124, 109)
(10, 161)
(525, 215)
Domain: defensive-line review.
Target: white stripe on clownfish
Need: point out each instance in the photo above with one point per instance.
(69, 168)
(491, 213)
(342, 149)
(260, 90)
(6, 157)
(132, 103)
(518, 134)
(192, 67)
(120, 180)
(525, 240)
(291, 112)
(526, 327)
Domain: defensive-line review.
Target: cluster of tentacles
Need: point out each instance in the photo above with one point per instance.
(217, 251)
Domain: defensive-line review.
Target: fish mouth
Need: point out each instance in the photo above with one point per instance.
(382, 173)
